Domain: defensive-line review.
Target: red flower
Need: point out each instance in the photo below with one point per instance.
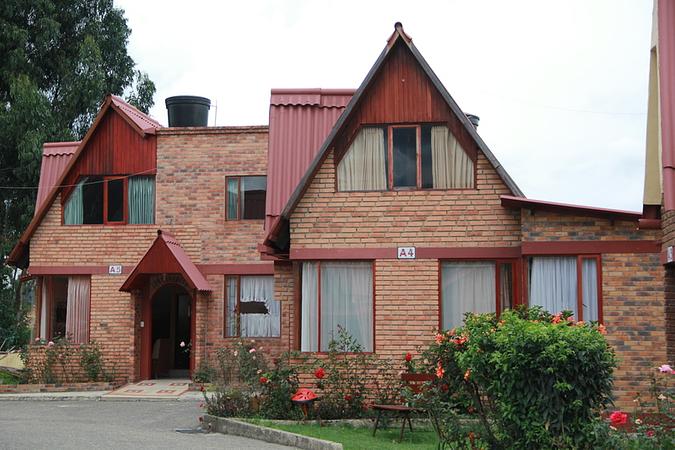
(445, 387)
(439, 371)
(650, 433)
(459, 341)
(264, 380)
(201, 419)
(201, 388)
(320, 373)
(348, 398)
(618, 418)
(408, 357)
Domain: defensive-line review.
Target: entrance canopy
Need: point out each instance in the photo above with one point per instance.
(165, 255)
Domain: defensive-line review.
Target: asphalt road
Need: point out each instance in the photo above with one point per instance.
(100, 425)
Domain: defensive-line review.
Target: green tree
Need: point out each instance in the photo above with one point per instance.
(58, 60)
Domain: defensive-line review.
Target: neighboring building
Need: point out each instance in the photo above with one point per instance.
(385, 213)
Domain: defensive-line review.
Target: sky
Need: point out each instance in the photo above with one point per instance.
(560, 86)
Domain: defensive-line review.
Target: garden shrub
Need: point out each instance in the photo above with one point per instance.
(534, 379)
(91, 360)
(278, 386)
(204, 373)
(227, 402)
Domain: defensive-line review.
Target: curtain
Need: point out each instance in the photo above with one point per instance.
(466, 287)
(589, 289)
(44, 307)
(232, 198)
(347, 302)
(553, 283)
(231, 307)
(506, 286)
(259, 289)
(73, 213)
(309, 317)
(77, 310)
(451, 166)
(141, 200)
(363, 166)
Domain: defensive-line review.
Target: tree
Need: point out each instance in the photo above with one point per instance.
(58, 60)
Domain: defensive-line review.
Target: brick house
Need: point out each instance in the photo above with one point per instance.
(380, 210)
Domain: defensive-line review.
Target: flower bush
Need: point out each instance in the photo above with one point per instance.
(534, 379)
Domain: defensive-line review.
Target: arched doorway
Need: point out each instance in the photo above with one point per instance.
(171, 332)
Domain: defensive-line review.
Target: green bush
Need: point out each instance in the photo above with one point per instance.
(204, 373)
(278, 386)
(91, 360)
(535, 380)
(227, 402)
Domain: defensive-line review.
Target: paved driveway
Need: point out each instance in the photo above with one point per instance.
(118, 425)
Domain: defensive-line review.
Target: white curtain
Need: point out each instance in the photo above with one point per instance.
(44, 307)
(77, 310)
(231, 307)
(363, 166)
(259, 289)
(347, 301)
(467, 287)
(589, 289)
(309, 317)
(553, 283)
(451, 166)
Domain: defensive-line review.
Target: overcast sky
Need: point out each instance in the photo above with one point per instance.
(560, 86)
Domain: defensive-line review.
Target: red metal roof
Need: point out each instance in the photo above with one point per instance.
(300, 121)
(55, 158)
(144, 122)
(165, 255)
(510, 201)
(666, 56)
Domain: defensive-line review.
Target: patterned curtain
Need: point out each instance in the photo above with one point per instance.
(141, 200)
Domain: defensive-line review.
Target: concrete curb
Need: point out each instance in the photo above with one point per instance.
(249, 430)
(89, 396)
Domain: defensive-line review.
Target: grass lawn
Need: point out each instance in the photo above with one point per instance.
(357, 438)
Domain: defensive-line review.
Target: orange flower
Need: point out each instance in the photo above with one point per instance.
(602, 329)
(439, 338)
(580, 323)
(467, 374)
(556, 319)
(439, 371)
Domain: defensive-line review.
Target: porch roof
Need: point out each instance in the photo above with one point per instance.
(165, 255)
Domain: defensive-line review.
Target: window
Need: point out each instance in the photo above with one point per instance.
(559, 283)
(246, 197)
(250, 307)
(474, 286)
(403, 157)
(111, 200)
(336, 295)
(64, 308)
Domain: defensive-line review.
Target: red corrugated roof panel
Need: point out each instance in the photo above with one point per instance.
(142, 120)
(165, 255)
(300, 121)
(55, 158)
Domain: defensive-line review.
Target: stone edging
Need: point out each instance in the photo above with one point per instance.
(252, 431)
(64, 387)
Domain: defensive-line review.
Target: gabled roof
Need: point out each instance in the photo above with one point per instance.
(55, 158)
(300, 120)
(398, 36)
(165, 255)
(140, 122)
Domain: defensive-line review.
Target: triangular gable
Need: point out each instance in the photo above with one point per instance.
(398, 36)
(165, 255)
(139, 122)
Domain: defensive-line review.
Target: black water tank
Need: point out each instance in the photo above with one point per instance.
(188, 111)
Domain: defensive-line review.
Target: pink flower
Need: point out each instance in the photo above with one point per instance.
(602, 329)
(236, 353)
(570, 319)
(182, 344)
(252, 350)
(618, 418)
(50, 344)
(440, 371)
(467, 374)
(439, 338)
(37, 339)
(556, 319)
(665, 369)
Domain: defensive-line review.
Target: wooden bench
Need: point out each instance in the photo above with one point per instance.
(415, 382)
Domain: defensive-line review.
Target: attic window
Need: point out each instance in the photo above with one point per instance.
(111, 200)
(405, 157)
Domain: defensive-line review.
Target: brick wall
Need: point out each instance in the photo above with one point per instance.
(633, 294)
(460, 218)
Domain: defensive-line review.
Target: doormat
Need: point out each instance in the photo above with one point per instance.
(152, 389)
